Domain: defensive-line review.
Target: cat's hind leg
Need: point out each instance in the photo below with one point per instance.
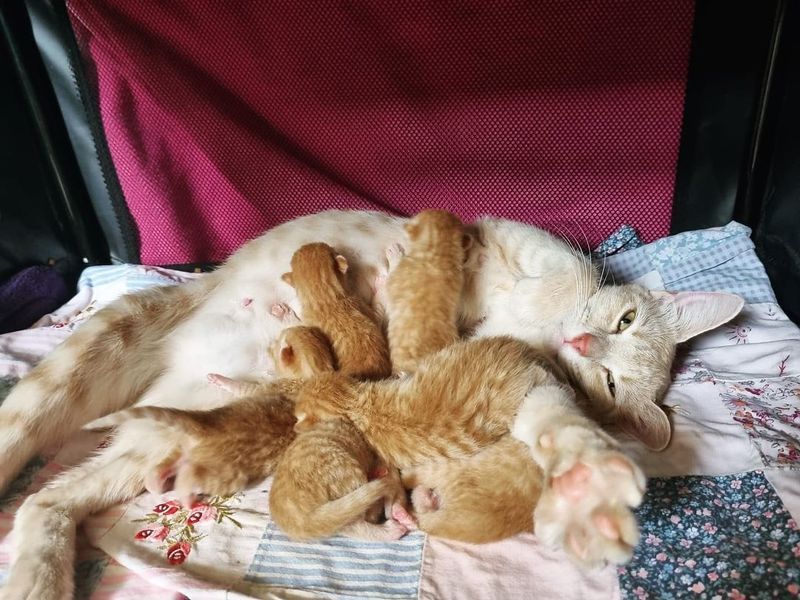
(590, 486)
(43, 536)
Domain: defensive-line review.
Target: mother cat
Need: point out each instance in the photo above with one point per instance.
(156, 348)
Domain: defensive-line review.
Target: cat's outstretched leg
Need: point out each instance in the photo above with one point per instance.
(590, 486)
(44, 527)
(96, 371)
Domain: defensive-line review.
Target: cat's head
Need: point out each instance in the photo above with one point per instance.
(438, 228)
(315, 267)
(302, 352)
(619, 350)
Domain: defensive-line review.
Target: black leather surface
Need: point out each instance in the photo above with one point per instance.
(774, 199)
(56, 42)
(45, 216)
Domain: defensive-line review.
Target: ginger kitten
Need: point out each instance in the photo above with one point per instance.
(321, 485)
(318, 276)
(424, 290)
(225, 449)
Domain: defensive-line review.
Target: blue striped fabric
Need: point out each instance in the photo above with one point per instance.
(340, 566)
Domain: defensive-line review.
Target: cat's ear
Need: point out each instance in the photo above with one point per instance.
(287, 277)
(648, 423)
(698, 312)
(341, 263)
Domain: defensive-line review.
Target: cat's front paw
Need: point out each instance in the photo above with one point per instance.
(586, 507)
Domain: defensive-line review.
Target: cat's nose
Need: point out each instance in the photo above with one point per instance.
(580, 343)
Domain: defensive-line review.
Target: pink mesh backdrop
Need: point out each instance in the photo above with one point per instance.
(224, 119)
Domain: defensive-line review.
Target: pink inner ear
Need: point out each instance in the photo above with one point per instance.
(698, 312)
(287, 354)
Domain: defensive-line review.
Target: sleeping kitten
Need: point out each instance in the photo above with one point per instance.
(318, 276)
(321, 485)
(466, 399)
(424, 290)
(221, 451)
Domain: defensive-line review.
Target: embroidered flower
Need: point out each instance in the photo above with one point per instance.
(177, 553)
(157, 533)
(167, 508)
(698, 587)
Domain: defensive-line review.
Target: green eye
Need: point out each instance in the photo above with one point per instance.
(611, 385)
(626, 320)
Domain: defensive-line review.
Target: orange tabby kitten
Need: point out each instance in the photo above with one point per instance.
(459, 400)
(321, 485)
(224, 449)
(359, 346)
(424, 290)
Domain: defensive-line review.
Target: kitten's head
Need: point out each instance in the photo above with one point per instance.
(302, 352)
(432, 229)
(619, 350)
(316, 267)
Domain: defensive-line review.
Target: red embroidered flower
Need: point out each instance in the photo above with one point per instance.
(200, 513)
(156, 533)
(167, 508)
(177, 553)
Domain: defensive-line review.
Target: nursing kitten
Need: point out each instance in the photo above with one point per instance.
(424, 290)
(326, 301)
(321, 485)
(221, 451)
(156, 347)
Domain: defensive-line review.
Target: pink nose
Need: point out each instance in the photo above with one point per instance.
(580, 343)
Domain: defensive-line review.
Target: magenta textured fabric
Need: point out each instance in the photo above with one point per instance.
(225, 118)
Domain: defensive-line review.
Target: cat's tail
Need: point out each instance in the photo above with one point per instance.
(336, 515)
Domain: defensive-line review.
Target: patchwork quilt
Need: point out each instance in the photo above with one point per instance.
(719, 520)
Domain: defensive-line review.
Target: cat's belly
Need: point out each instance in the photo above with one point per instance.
(232, 331)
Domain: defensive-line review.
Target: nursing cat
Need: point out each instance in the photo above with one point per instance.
(156, 347)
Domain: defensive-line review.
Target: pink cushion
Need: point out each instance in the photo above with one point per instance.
(224, 119)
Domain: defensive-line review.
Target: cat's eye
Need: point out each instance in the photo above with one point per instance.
(612, 387)
(626, 320)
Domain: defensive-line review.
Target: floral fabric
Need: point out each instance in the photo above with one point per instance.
(713, 538)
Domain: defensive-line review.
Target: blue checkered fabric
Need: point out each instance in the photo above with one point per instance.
(715, 260)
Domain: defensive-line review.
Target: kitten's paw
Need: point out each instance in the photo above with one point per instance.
(586, 507)
(225, 383)
(424, 499)
(284, 312)
(394, 530)
(399, 513)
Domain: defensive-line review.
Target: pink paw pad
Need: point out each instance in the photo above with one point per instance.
(400, 514)
(572, 485)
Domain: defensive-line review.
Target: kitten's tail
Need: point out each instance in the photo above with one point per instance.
(335, 515)
(189, 421)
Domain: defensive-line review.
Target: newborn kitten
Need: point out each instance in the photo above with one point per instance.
(424, 290)
(359, 346)
(225, 449)
(459, 400)
(321, 485)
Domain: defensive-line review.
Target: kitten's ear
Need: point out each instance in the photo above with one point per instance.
(341, 263)
(287, 355)
(467, 241)
(647, 423)
(287, 277)
(412, 229)
(698, 312)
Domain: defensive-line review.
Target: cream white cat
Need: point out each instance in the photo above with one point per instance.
(156, 348)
